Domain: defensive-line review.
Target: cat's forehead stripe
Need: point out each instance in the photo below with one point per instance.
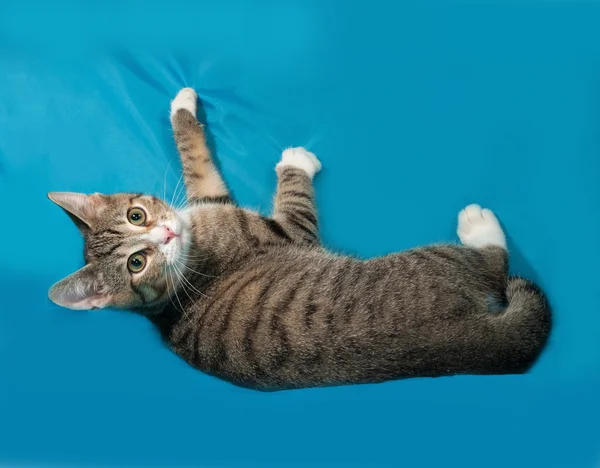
(135, 197)
(119, 245)
(110, 232)
(99, 248)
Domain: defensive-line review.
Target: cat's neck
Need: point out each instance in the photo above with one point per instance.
(215, 247)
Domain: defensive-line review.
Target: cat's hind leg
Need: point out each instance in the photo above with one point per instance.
(479, 227)
(486, 255)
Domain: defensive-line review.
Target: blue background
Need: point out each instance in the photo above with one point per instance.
(415, 109)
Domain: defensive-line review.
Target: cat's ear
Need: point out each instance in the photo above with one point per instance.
(82, 209)
(81, 290)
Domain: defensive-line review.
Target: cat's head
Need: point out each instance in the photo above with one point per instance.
(134, 246)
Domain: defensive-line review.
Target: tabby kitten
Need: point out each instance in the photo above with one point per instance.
(257, 301)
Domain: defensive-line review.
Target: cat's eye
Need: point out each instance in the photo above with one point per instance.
(136, 262)
(136, 216)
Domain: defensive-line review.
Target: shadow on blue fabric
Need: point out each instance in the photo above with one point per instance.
(415, 111)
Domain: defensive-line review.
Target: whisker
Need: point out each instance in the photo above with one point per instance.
(175, 290)
(194, 256)
(194, 271)
(184, 169)
(185, 203)
(176, 188)
(171, 296)
(165, 180)
(184, 279)
(180, 277)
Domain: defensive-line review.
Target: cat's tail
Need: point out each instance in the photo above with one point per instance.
(525, 323)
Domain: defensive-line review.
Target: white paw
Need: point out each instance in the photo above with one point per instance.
(185, 99)
(300, 158)
(479, 227)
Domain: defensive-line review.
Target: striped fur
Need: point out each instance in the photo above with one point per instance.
(295, 210)
(202, 180)
(262, 304)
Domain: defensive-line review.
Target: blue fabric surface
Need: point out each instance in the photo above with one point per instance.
(414, 110)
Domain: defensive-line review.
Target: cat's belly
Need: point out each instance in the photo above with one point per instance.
(295, 319)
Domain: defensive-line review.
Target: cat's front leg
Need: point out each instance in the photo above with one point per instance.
(295, 206)
(202, 179)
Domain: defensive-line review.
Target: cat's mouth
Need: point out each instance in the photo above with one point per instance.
(176, 242)
(172, 237)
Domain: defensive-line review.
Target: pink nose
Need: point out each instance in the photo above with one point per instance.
(168, 235)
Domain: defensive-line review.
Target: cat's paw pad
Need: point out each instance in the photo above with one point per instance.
(479, 227)
(301, 159)
(185, 99)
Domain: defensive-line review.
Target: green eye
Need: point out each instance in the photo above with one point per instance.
(136, 216)
(136, 262)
